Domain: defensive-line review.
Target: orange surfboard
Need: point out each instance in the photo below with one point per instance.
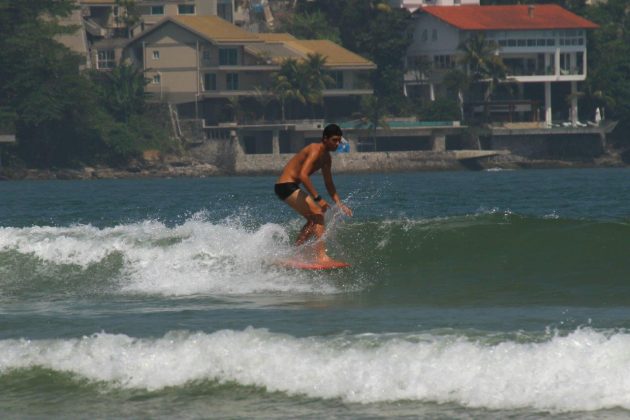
(303, 265)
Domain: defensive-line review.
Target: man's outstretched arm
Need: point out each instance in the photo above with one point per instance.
(330, 186)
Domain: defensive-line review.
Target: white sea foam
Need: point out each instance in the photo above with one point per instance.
(585, 370)
(195, 257)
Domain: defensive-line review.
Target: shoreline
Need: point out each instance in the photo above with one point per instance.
(181, 167)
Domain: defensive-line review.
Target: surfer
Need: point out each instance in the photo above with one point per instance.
(312, 206)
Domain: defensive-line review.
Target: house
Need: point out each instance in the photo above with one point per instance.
(108, 24)
(543, 47)
(151, 11)
(201, 62)
(413, 5)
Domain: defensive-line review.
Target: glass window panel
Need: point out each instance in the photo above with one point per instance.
(210, 81)
(186, 9)
(231, 81)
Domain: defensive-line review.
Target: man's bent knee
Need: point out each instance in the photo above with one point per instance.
(317, 219)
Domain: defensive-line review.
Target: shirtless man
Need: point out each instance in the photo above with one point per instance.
(298, 171)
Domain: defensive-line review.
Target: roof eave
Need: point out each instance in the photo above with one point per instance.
(214, 41)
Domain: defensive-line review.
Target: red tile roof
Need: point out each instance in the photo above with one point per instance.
(488, 18)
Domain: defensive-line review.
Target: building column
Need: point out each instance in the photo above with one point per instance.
(574, 104)
(275, 142)
(439, 143)
(548, 104)
(354, 146)
(432, 91)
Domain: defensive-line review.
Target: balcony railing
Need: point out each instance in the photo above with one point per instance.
(546, 71)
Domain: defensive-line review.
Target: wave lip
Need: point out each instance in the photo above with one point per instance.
(584, 370)
(196, 257)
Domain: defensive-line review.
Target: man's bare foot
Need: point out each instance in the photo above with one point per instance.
(324, 259)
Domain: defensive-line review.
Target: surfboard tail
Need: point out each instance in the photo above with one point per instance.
(320, 265)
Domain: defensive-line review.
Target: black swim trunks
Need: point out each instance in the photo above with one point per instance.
(285, 189)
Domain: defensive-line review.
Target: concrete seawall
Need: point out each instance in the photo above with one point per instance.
(359, 162)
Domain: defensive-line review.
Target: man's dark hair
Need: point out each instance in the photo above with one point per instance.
(332, 130)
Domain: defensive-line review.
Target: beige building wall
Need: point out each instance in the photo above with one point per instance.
(202, 8)
(170, 59)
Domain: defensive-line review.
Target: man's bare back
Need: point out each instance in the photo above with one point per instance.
(315, 153)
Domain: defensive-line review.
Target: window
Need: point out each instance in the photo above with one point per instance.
(186, 9)
(227, 56)
(425, 35)
(157, 10)
(206, 55)
(157, 79)
(338, 78)
(156, 55)
(231, 81)
(434, 35)
(224, 10)
(106, 59)
(565, 63)
(442, 62)
(210, 81)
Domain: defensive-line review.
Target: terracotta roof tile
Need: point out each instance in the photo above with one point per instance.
(483, 18)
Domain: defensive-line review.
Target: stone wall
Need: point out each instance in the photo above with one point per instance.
(557, 146)
(357, 162)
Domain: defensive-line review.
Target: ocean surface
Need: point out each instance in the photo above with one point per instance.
(489, 294)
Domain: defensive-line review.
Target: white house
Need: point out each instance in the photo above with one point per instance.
(542, 44)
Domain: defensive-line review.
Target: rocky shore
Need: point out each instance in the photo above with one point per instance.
(177, 166)
(166, 168)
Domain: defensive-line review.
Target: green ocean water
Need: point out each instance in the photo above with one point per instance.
(471, 295)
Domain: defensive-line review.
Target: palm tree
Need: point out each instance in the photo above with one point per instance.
(315, 79)
(235, 106)
(264, 97)
(421, 68)
(457, 81)
(483, 63)
(303, 81)
(372, 116)
(286, 84)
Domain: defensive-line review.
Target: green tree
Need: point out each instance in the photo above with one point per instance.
(310, 26)
(286, 84)
(129, 15)
(382, 34)
(42, 93)
(440, 110)
(483, 64)
(372, 29)
(373, 115)
(235, 105)
(264, 98)
(457, 83)
(301, 81)
(315, 79)
(122, 91)
(608, 82)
